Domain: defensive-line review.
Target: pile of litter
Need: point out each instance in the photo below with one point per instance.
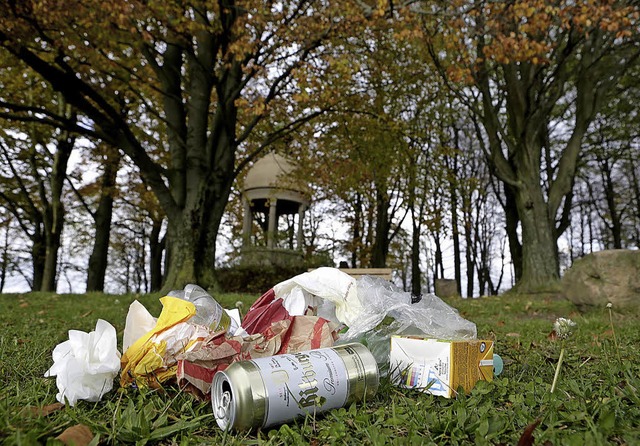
(324, 313)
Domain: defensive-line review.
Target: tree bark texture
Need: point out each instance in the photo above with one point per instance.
(156, 248)
(38, 256)
(615, 222)
(455, 231)
(53, 211)
(512, 220)
(380, 247)
(98, 259)
(516, 150)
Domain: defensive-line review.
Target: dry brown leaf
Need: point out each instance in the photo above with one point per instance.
(527, 438)
(78, 435)
(44, 411)
(24, 304)
(552, 336)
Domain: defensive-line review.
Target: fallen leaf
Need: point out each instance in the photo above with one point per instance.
(78, 435)
(24, 304)
(552, 336)
(44, 411)
(526, 439)
(513, 335)
(87, 313)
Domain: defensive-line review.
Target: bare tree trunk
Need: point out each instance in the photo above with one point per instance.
(357, 231)
(380, 247)
(635, 186)
(469, 249)
(416, 277)
(416, 218)
(539, 254)
(54, 211)
(439, 264)
(453, 196)
(512, 220)
(614, 224)
(38, 254)
(4, 256)
(156, 247)
(102, 218)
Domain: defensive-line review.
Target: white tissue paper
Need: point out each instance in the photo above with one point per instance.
(86, 365)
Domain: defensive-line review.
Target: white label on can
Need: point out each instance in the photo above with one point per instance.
(305, 382)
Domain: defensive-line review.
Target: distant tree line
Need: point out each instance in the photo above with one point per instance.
(501, 138)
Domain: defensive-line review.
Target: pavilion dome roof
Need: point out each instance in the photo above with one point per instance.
(273, 173)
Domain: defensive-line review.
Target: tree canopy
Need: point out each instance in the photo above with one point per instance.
(389, 106)
(181, 89)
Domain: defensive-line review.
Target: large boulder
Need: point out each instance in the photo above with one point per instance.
(603, 277)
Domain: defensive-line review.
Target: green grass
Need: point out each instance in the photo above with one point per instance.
(597, 400)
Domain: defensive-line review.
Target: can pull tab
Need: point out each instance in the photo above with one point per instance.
(222, 408)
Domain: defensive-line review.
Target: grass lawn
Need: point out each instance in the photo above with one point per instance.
(597, 399)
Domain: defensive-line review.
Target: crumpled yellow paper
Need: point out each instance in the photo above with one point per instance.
(150, 360)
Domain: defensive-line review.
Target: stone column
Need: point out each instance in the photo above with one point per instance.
(273, 223)
(301, 209)
(246, 223)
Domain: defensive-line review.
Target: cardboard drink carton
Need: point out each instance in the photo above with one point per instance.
(440, 367)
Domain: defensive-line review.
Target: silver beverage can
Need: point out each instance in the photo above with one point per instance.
(267, 391)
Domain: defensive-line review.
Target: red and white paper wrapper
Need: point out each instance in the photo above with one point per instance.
(292, 334)
(264, 312)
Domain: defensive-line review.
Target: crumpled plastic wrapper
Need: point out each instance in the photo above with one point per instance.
(197, 367)
(430, 315)
(86, 365)
(151, 359)
(360, 307)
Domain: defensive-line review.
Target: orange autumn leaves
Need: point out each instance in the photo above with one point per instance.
(530, 31)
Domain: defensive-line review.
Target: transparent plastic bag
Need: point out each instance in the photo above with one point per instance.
(208, 311)
(430, 317)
